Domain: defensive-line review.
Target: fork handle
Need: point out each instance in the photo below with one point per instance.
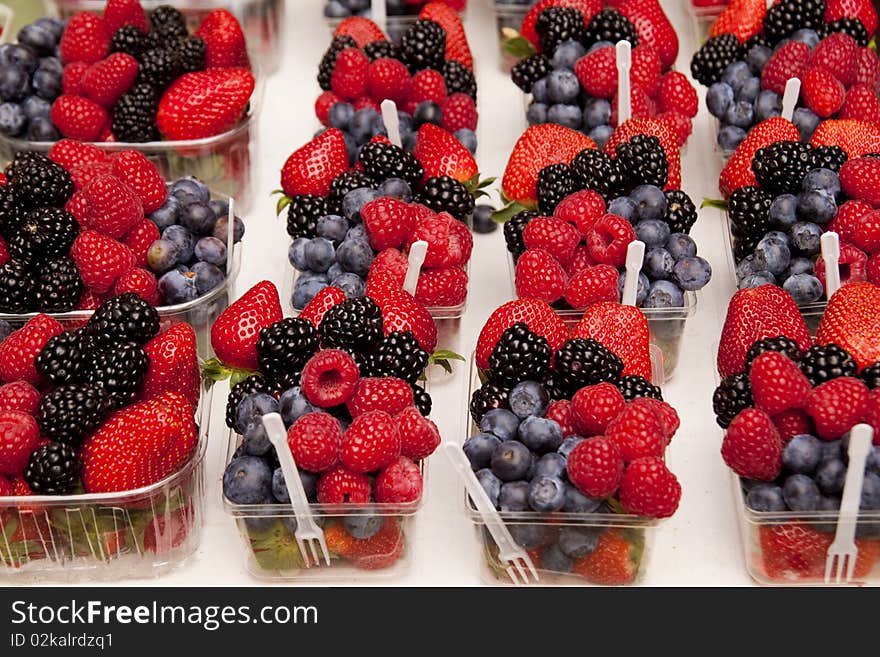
(859, 444)
(278, 437)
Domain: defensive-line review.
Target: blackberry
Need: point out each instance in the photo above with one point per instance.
(681, 213)
(784, 19)
(17, 294)
(328, 60)
(134, 115)
(459, 79)
(38, 181)
(558, 24)
(446, 194)
(342, 185)
(782, 344)
(780, 168)
(286, 380)
(159, 67)
(285, 346)
(850, 26)
(423, 45)
(303, 213)
(248, 386)
(581, 362)
(871, 376)
(384, 161)
(166, 21)
(554, 389)
(119, 370)
(45, 233)
(130, 40)
(353, 325)
(749, 212)
(63, 358)
(633, 387)
(610, 25)
(714, 56)
(69, 413)
(191, 54)
(822, 363)
(381, 49)
(519, 355)
(732, 395)
(423, 401)
(11, 213)
(529, 70)
(513, 231)
(555, 182)
(829, 157)
(642, 161)
(58, 287)
(593, 169)
(126, 318)
(53, 469)
(485, 398)
(399, 354)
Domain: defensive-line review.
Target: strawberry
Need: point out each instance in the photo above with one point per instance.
(79, 118)
(457, 48)
(390, 394)
(143, 177)
(623, 330)
(638, 433)
(597, 72)
(676, 93)
(362, 30)
(681, 124)
(349, 78)
(860, 179)
(323, 104)
(609, 239)
(537, 315)
(787, 62)
(401, 312)
(592, 285)
(388, 222)
(838, 54)
(140, 238)
(738, 170)
(165, 532)
(329, 378)
(863, 10)
(18, 438)
(388, 78)
(743, 18)
(381, 550)
(594, 407)
(311, 168)
(235, 333)
(20, 348)
(538, 147)
(342, 486)
(321, 303)
(852, 321)
(777, 383)
(119, 13)
(174, 364)
(442, 287)
(114, 208)
(6, 489)
(649, 489)
(141, 282)
(556, 236)
(204, 103)
(371, 442)
(653, 28)
(540, 276)
(595, 467)
(836, 406)
(615, 560)
(105, 81)
(19, 396)
(224, 40)
(441, 154)
(861, 104)
(752, 447)
(419, 436)
(793, 550)
(856, 138)
(459, 112)
(85, 39)
(589, 8)
(868, 69)
(654, 127)
(641, 104)
(399, 483)
(314, 440)
(71, 153)
(822, 92)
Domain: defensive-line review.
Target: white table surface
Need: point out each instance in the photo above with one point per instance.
(700, 545)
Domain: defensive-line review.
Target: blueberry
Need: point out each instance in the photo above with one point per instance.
(5, 329)
(757, 280)
(601, 134)
(163, 255)
(664, 294)
(220, 208)
(801, 493)
(658, 264)
(363, 526)
(377, 125)
(872, 463)
(176, 287)
(783, 211)
(597, 112)
(332, 227)
(310, 485)
(357, 232)
(736, 74)
(536, 113)
(528, 398)
(746, 267)
(252, 408)
(597, 45)
(552, 464)
(577, 542)
(547, 493)
(293, 405)
(427, 112)
(799, 266)
(567, 53)
(563, 86)
(190, 190)
(14, 84)
(777, 236)
(806, 36)
(749, 90)
(296, 253)
(42, 129)
(741, 114)
(335, 271)
(465, 136)
(500, 422)
(681, 246)
(577, 502)
(207, 277)
(652, 232)
(651, 203)
(719, 98)
(360, 124)
(804, 288)
(479, 449)
(256, 441)
(210, 249)
(529, 536)
(46, 83)
(511, 461)
(554, 560)
(768, 104)
(482, 219)
(355, 200)
(801, 454)
(167, 215)
(765, 497)
(198, 218)
(831, 450)
(355, 256)
(305, 290)
(352, 285)
(822, 180)
(247, 480)
(806, 238)
(830, 476)
(624, 206)
(642, 287)
(397, 188)
(39, 37)
(870, 500)
(34, 107)
(816, 207)
(335, 9)
(568, 445)
(806, 122)
(772, 255)
(692, 273)
(340, 115)
(514, 496)
(730, 137)
(491, 484)
(320, 254)
(566, 114)
(539, 91)
(540, 434)
(19, 56)
(757, 58)
(12, 119)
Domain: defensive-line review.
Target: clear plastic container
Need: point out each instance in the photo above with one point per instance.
(395, 24)
(107, 536)
(535, 531)
(508, 19)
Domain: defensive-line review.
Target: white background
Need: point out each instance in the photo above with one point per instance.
(700, 545)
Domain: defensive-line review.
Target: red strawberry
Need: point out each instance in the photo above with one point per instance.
(71, 153)
(72, 78)
(341, 486)
(20, 348)
(323, 104)
(349, 78)
(459, 112)
(311, 168)
(649, 489)
(204, 103)
(85, 39)
(836, 406)
(362, 30)
(163, 533)
(388, 394)
(143, 177)
(860, 179)
(419, 436)
(556, 236)
(540, 276)
(174, 364)
(235, 333)
(852, 321)
(597, 72)
(793, 550)
(79, 118)
(6, 489)
(321, 303)
(224, 40)
(653, 27)
(623, 330)
(752, 447)
(609, 239)
(594, 407)
(615, 560)
(868, 69)
(139, 239)
(838, 54)
(537, 315)
(680, 123)
(856, 138)
(105, 81)
(457, 48)
(119, 13)
(442, 287)
(441, 154)
(595, 467)
(738, 170)
(583, 209)
(861, 9)
(388, 78)
(592, 285)
(371, 442)
(382, 550)
(822, 92)
(678, 94)
(401, 312)
(314, 440)
(388, 222)
(743, 18)
(638, 432)
(787, 62)
(141, 282)
(589, 8)
(861, 104)
(777, 383)
(18, 438)
(114, 208)
(19, 396)
(329, 378)
(399, 483)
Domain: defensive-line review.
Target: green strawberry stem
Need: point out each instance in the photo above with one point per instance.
(214, 370)
(721, 204)
(515, 44)
(283, 201)
(476, 187)
(507, 212)
(442, 357)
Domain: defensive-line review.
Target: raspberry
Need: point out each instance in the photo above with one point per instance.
(609, 239)
(388, 394)
(85, 39)
(787, 62)
(837, 406)
(868, 68)
(114, 208)
(143, 177)
(399, 483)
(592, 285)
(638, 432)
(838, 54)
(367, 103)
(18, 438)
(323, 104)
(70, 153)
(676, 93)
(853, 265)
(388, 78)
(442, 288)
(79, 118)
(595, 467)
(329, 378)
(139, 239)
(314, 441)
(792, 423)
(72, 78)
(539, 276)
(428, 84)
(872, 415)
(597, 72)
(580, 261)
(100, 260)
(556, 236)
(18, 352)
(419, 436)
(667, 415)
(388, 222)
(560, 411)
(84, 174)
(78, 206)
(866, 235)
(349, 78)
(341, 486)
(649, 489)
(461, 239)
(645, 71)
(752, 447)
(594, 407)
(822, 92)
(459, 112)
(141, 282)
(391, 262)
(105, 81)
(848, 218)
(778, 384)
(861, 103)
(370, 443)
(642, 105)
(435, 231)
(583, 209)
(873, 269)
(19, 396)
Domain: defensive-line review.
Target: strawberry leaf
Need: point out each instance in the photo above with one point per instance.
(714, 203)
(214, 370)
(506, 213)
(442, 357)
(515, 44)
(283, 202)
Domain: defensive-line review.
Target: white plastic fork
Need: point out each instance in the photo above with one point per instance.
(843, 552)
(308, 533)
(517, 563)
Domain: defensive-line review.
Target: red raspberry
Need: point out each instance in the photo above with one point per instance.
(71, 153)
(872, 415)
(371, 443)
(461, 243)
(847, 219)
(84, 174)
(860, 179)
(597, 72)
(392, 262)
(777, 383)
(822, 92)
(555, 236)
(105, 81)
(388, 394)
(580, 261)
(680, 123)
(591, 286)
(609, 239)
(367, 103)
(595, 467)
(642, 105)
(85, 39)
(649, 489)
(638, 432)
(323, 301)
(792, 423)
(381, 550)
(583, 209)
(428, 84)
(100, 260)
(90, 301)
(873, 269)
(114, 208)
(866, 236)
(646, 69)
(419, 436)
(435, 231)
(139, 239)
(439, 288)
(4, 252)
(594, 407)
(752, 447)
(6, 489)
(329, 378)
(459, 111)
(349, 77)
(141, 282)
(118, 13)
(143, 177)
(836, 406)
(341, 486)
(19, 396)
(79, 118)
(853, 265)
(323, 104)
(399, 483)
(868, 69)
(388, 78)
(676, 93)
(539, 276)
(861, 103)
(20, 348)
(838, 54)
(18, 438)
(72, 79)
(388, 222)
(78, 206)
(314, 440)
(787, 62)
(560, 412)
(667, 415)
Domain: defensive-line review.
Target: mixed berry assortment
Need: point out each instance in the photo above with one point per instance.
(346, 8)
